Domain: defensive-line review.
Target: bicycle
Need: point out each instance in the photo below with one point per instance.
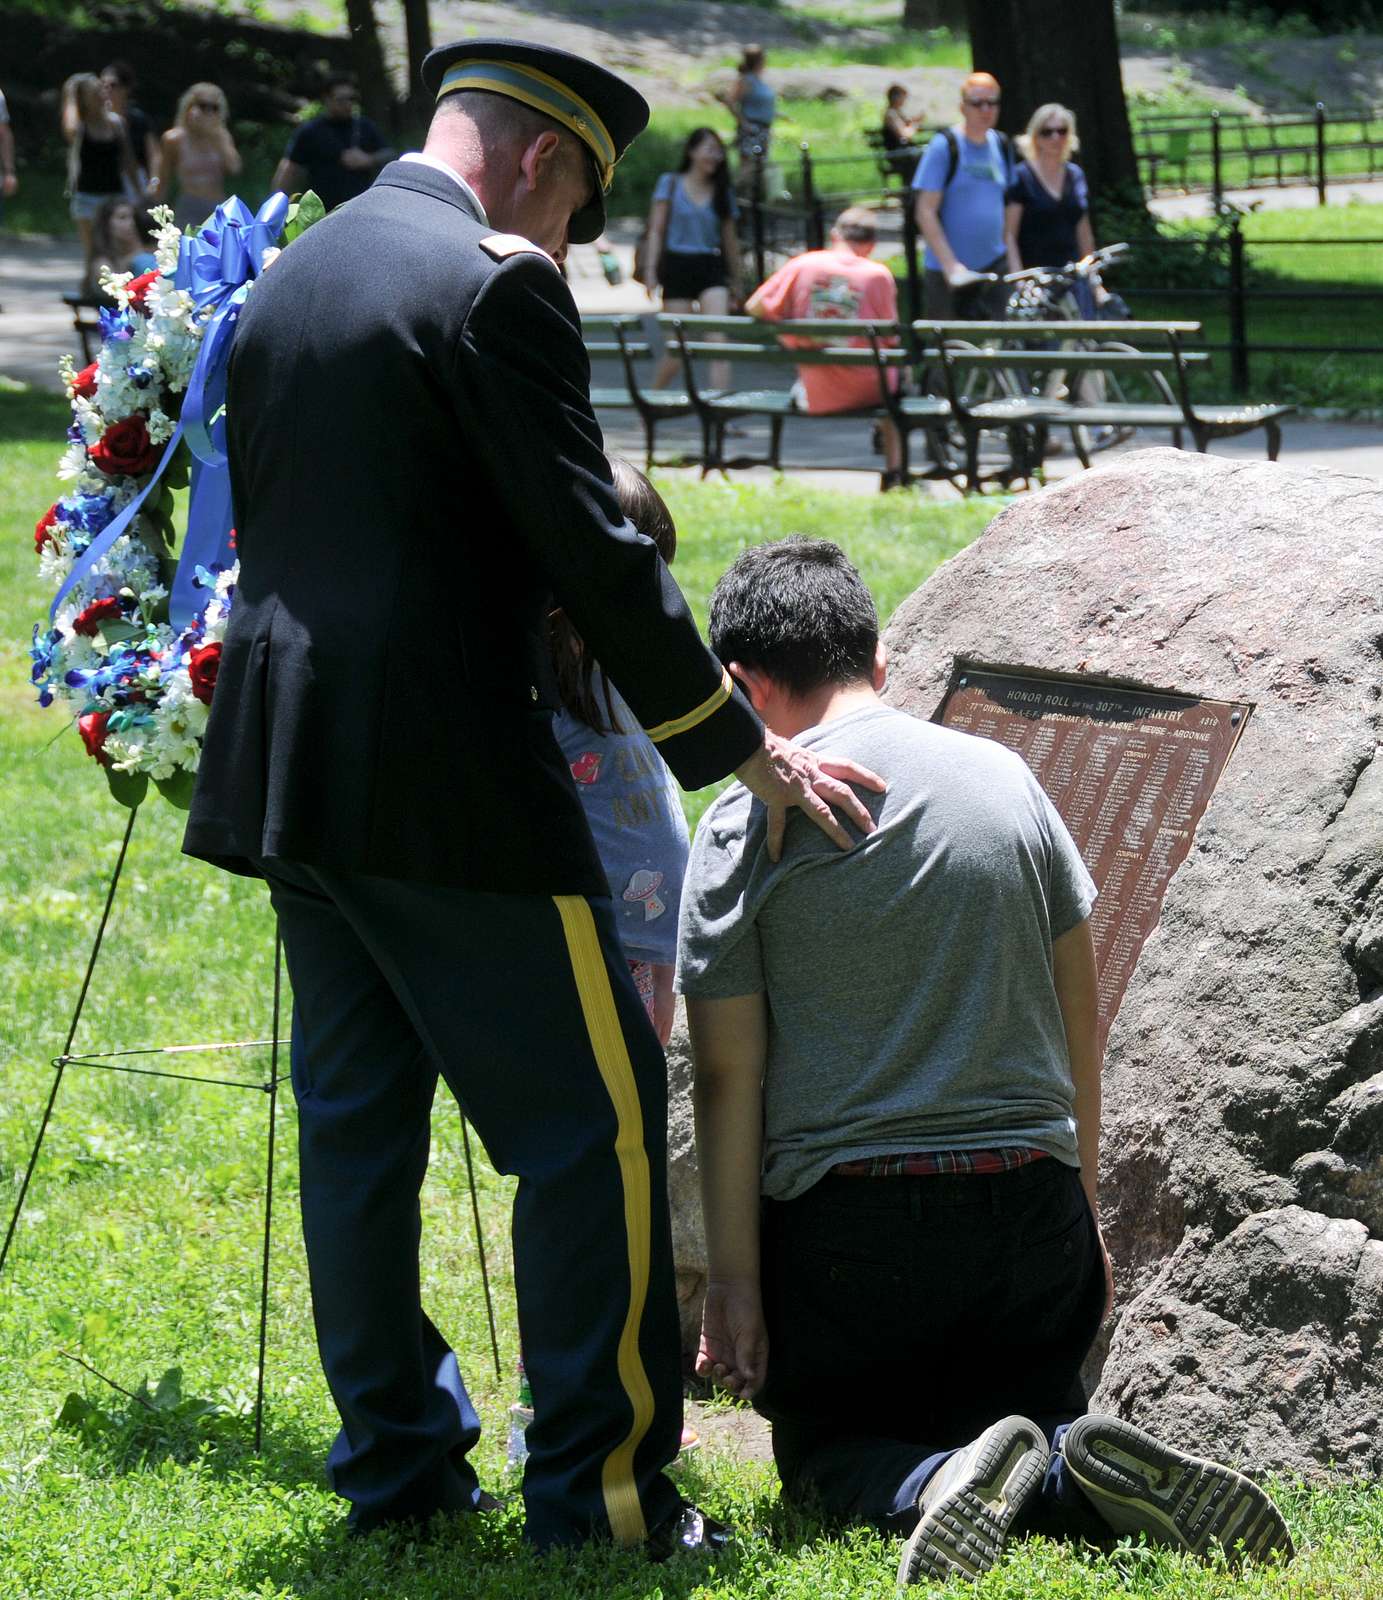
(1052, 294)
(1043, 294)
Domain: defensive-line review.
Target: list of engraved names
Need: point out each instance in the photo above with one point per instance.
(1131, 772)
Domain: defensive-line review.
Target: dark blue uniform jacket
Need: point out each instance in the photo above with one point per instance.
(418, 478)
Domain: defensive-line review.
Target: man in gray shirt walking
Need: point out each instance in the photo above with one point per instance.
(898, 1109)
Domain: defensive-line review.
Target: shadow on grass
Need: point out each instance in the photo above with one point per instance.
(485, 1558)
(28, 413)
(136, 1440)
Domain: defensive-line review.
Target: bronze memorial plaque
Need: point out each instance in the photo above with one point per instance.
(1130, 770)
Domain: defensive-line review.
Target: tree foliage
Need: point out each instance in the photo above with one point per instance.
(1067, 51)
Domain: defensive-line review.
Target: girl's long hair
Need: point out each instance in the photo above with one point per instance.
(720, 184)
(574, 665)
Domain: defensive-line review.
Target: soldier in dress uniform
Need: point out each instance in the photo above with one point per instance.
(418, 478)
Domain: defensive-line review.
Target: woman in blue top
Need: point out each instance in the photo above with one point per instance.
(755, 104)
(1047, 206)
(692, 244)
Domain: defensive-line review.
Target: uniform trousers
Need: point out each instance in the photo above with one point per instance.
(525, 1006)
(907, 1314)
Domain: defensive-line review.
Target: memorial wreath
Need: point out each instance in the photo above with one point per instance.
(133, 637)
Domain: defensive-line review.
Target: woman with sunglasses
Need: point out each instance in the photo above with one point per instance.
(199, 155)
(1047, 207)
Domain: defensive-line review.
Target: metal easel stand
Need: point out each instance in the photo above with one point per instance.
(118, 1061)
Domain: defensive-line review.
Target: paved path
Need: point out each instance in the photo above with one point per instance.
(1177, 207)
(36, 329)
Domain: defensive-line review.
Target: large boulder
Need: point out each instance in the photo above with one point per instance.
(1242, 1163)
(1242, 1166)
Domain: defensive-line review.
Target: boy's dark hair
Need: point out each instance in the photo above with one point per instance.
(337, 80)
(573, 663)
(797, 610)
(123, 73)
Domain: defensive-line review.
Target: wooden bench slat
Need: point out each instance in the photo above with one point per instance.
(1070, 330)
(1086, 360)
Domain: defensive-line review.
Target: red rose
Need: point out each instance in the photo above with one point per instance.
(84, 383)
(202, 666)
(43, 529)
(92, 728)
(124, 450)
(138, 287)
(88, 620)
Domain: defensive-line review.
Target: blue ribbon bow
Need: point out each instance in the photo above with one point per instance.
(216, 267)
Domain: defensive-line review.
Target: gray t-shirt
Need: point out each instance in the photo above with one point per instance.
(909, 980)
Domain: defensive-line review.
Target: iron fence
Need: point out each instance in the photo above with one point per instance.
(1273, 309)
(1227, 150)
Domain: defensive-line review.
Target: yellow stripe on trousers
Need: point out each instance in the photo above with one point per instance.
(622, 1504)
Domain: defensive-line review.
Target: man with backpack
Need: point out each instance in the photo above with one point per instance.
(959, 186)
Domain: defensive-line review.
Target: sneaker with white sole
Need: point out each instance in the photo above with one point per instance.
(969, 1503)
(1140, 1485)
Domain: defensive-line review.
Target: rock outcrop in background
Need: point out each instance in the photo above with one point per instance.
(1242, 1166)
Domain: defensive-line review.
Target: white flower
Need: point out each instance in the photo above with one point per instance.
(160, 427)
(53, 564)
(73, 462)
(127, 752)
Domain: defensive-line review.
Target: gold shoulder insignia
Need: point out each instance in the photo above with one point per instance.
(500, 246)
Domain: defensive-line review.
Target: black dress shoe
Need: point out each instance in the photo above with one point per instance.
(687, 1531)
(419, 1524)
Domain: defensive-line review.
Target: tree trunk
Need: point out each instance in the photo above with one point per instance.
(418, 28)
(1066, 51)
(923, 15)
(376, 97)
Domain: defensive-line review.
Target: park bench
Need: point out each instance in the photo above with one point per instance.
(86, 321)
(895, 166)
(623, 338)
(1175, 152)
(750, 339)
(1013, 404)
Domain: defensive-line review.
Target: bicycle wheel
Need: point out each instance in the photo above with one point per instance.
(1108, 388)
(946, 445)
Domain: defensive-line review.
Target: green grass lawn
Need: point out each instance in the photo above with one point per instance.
(1295, 260)
(139, 1248)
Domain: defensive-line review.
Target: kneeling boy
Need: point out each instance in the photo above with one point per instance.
(898, 1109)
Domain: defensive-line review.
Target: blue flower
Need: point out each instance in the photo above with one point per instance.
(41, 654)
(114, 677)
(139, 376)
(75, 434)
(88, 513)
(116, 326)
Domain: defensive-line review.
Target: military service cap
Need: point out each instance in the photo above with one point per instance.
(603, 111)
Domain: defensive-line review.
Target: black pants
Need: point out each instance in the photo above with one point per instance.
(905, 1315)
(976, 302)
(525, 1005)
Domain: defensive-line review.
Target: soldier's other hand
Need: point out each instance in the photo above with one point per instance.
(354, 159)
(783, 775)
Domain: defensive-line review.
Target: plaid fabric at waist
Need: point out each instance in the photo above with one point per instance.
(930, 1163)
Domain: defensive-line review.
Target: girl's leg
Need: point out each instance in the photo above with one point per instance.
(716, 303)
(670, 365)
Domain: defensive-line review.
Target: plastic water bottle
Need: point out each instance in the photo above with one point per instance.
(520, 1415)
